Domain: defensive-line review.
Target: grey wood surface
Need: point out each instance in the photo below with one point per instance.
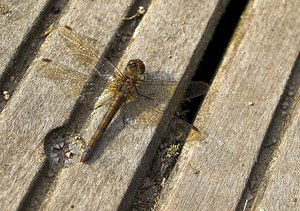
(281, 184)
(168, 39)
(16, 21)
(212, 175)
(41, 103)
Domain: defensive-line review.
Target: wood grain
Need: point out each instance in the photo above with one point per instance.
(16, 22)
(170, 39)
(280, 189)
(40, 105)
(238, 109)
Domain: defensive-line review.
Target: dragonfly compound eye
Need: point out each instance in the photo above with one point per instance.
(136, 65)
(133, 66)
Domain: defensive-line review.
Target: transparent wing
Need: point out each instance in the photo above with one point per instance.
(157, 89)
(84, 52)
(105, 98)
(196, 89)
(79, 47)
(181, 129)
(149, 104)
(146, 112)
(70, 81)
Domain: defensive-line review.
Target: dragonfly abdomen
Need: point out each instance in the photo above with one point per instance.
(109, 115)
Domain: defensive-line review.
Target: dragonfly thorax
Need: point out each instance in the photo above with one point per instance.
(132, 77)
(128, 85)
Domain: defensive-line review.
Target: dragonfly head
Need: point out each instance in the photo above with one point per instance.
(135, 68)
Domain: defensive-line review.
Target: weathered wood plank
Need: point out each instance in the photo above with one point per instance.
(237, 111)
(171, 38)
(16, 21)
(280, 189)
(44, 100)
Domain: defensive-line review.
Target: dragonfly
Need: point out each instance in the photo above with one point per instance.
(139, 95)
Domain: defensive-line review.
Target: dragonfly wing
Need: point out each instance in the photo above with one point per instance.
(84, 52)
(181, 129)
(146, 112)
(69, 81)
(106, 97)
(149, 105)
(79, 47)
(159, 90)
(150, 100)
(196, 89)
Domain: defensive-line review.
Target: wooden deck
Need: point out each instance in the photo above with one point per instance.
(252, 108)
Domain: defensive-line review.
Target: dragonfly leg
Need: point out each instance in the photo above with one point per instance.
(123, 113)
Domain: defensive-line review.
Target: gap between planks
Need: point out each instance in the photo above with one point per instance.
(237, 110)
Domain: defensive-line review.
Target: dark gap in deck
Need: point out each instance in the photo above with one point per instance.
(27, 50)
(215, 51)
(113, 52)
(258, 178)
(148, 193)
(17, 69)
(35, 195)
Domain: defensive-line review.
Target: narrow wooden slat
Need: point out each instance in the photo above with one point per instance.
(44, 100)
(167, 40)
(16, 21)
(280, 190)
(237, 111)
